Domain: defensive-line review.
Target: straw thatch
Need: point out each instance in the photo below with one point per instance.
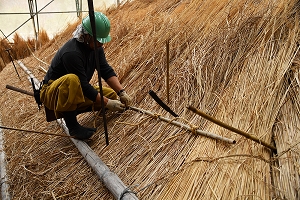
(236, 60)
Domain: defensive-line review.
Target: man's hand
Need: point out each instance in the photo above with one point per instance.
(115, 105)
(124, 97)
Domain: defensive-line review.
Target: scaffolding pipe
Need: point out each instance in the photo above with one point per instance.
(32, 14)
(27, 20)
(200, 132)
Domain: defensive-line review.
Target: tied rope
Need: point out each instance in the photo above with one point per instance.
(125, 191)
(193, 128)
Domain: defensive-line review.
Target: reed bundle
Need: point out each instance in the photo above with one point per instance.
(236, 60)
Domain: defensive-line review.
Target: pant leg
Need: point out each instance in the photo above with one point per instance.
(63, 94)
(107, 92)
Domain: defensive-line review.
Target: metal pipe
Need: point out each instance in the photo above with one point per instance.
(33, 131)
(168, 69)
(200, 132)
(31, 7)
(12, 60)
(93, 25)
(27, 20)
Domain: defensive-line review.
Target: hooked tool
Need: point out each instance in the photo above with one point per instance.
(162, 104)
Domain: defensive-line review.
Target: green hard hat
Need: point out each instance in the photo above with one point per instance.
(102, 27)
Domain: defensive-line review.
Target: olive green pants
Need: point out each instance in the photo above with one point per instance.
(65, 94)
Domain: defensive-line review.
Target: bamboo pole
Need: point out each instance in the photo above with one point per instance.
(112, 182)
(168, 69)
(200, 132)
(3, 175)
(110, 179)
(206, 116)
(36, 82)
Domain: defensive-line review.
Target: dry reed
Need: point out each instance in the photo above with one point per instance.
(20, 48)
(236, 60)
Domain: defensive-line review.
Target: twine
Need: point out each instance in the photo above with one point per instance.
(156, 116)
(125, 191)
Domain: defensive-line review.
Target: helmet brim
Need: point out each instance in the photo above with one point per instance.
(104, 40)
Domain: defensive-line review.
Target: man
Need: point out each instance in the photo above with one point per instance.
(66, 88)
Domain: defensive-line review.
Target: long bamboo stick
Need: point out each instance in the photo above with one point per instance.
(112, 182)
(200, 132)
(168, 69)
(36, 82)
(3, 181)
(210, 118)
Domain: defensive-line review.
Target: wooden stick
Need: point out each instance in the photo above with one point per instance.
(206, 116)
(32, 131)
(168, 69)
(19, 90)
(200, 132)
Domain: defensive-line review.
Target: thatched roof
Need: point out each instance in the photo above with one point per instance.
(236, 60)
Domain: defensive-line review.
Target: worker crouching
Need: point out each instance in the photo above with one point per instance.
(66, 89)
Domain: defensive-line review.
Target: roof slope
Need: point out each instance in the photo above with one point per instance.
(235, 60)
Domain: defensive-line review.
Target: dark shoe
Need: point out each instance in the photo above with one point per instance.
(82, 133)
(75, 129)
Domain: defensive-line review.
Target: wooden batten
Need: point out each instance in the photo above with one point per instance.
(197, 131)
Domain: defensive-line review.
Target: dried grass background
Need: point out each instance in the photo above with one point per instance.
(236, 60)
(20, 48)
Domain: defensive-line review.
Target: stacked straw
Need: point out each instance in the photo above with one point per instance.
(236, 60)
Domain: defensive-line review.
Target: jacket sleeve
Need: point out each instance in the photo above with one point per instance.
(106, 70)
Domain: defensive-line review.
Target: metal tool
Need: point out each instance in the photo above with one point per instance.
(93, 25)
(162, 104)
(32, 131)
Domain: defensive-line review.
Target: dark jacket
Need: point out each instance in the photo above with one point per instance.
(76, 58)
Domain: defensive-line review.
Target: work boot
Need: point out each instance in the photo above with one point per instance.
(75, 129)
